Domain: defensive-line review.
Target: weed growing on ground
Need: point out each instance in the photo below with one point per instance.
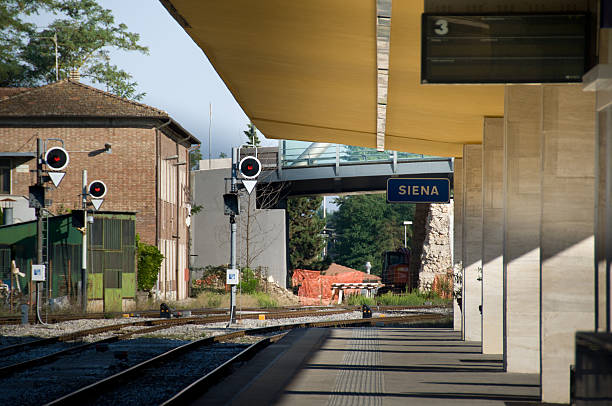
(264, 300)
(414, 298)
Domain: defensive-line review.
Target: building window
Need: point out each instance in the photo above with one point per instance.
(5, 176)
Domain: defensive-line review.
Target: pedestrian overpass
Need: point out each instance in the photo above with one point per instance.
(305, 168)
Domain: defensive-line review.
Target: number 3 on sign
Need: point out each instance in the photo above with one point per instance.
(441, 27)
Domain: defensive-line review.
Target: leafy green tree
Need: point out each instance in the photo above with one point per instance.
(149, 264)
(305, 227)
(366, 226)
(86, 32)
(14, 35)
(222, 155)
(251, 134)
(195, 155)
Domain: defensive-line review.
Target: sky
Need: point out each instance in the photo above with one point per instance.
(176, 76)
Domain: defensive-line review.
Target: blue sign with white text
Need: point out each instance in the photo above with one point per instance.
(418, 190)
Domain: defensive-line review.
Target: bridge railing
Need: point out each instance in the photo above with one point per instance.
(302, 153)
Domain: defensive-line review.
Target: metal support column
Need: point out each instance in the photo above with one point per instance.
(84, 247)
(39, 222)
(233, 237)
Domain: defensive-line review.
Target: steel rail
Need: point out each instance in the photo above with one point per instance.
(155, 325)
(90, 391)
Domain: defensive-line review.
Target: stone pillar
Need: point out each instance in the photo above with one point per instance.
(457, 236)
(472, 242)
(597, 80)
(566, 240)
(492, 236)
(522, 122)
(436, 256)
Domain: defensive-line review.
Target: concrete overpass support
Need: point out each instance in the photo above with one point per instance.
(492, 236)
(566, 240)
(457, 234)
(597, 80)
(472, 242)
(521, 239)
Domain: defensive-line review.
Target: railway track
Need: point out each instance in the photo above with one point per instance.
(58, 318)
(126, 386)
(150, 326)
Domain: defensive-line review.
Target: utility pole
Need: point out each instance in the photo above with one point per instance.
(84, 247)
(233, 236)
(39, 222)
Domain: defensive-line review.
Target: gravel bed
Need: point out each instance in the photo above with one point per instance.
(51, 381)
(48, 382)
(33, 353)
(155, 385)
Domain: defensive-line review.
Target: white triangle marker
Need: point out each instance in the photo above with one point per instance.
(249, 184)
(97, 203)
(56, 177)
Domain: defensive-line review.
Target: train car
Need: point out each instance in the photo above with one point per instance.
(396, 275)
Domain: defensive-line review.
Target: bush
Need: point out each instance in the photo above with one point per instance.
(249, 282)
(149, 263)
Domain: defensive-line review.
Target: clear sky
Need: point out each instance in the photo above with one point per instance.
(176, 75)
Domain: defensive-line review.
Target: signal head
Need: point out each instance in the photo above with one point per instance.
(57, 158)
(249, 167)
(97, 189)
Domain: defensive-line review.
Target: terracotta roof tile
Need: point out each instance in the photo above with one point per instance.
(6, 92)
(67, 98)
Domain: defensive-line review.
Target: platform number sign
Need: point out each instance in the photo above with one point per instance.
(441, 27)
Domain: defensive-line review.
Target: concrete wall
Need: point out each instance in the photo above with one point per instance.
(522, 123)
(472, 242)
(210, 228)
(457, 235)
(492, 236)
(567, 243)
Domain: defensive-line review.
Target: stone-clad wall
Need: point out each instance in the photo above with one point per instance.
(436, 256)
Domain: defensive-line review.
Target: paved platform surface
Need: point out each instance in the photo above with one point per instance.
(374, 366)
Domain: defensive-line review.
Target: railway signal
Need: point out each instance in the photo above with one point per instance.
(57, 158)
(249, 168)
(97, 190)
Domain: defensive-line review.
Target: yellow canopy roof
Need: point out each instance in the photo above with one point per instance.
(307, 70)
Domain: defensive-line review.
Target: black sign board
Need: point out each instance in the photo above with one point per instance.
(525, 48)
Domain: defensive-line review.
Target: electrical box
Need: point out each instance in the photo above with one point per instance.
(36, 196)
(38, 273)
(231, 204)
(232, 277)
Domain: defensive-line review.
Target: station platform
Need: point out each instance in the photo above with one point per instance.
(374, 366)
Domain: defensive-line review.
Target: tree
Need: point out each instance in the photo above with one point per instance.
(195, 155)
(222, 155)
(251, 134)
(305, 227)
(86, 33)
(366, 226)
(14, 35)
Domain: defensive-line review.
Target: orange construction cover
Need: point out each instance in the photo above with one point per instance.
(315, 289)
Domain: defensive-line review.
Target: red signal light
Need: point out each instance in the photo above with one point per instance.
(249, 167)
(57, 158)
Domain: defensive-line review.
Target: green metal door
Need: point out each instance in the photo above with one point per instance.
(112, 290)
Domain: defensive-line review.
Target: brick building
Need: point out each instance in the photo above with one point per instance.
(138, 151)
